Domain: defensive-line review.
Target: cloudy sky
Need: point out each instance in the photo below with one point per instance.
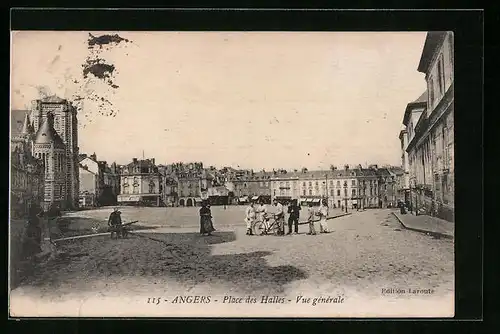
(257, 100)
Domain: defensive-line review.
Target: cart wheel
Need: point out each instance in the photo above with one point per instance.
(259, 228)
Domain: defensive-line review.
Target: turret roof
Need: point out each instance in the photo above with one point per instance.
(26, 129)
(46, 134)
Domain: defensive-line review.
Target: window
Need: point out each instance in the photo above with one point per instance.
(310, 192)
(440, 68)
(446, 157)
(310, 184)
(338, 184)
(353, 182)
(304, 192)
(431, 92)
(316, 183)
(345, 192)
(303, 184)
(331, 183)
(451, 50)
(136, 189)
(353, 192)
(244, 185)
(332, 193)
(338, 192)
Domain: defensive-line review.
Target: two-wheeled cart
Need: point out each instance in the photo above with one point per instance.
(120, 231)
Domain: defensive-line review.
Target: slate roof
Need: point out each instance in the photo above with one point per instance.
(17, 121)
(46, 134)
(420, 102)
(53, 99)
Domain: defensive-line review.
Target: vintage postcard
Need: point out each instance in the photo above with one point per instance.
(231, 174)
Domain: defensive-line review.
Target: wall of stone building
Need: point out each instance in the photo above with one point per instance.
(88, 181)
(444, 54)
(145, 184)
(189, 187)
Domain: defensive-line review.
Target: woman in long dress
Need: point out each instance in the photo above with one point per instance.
(323, 214)
(206, 225)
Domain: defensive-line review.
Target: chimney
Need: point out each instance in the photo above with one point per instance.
(153, 161)
(134, 160)
(346, 167)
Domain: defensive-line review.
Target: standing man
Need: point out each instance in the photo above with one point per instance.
(250, 217)
(280, 217)
(261, 211)
(294, 212)
(310, 219)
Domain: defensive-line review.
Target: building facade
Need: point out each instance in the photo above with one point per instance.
(247, 185)
(404, 181)
(99, 183)
(27, 173)
(340, 188)
(140, 184)
(65, 123)
(111, 186)
(49, 147)
(431, 142)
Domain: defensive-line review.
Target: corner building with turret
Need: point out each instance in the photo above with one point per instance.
(51, 127)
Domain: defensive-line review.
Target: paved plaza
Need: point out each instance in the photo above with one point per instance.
(367, 251)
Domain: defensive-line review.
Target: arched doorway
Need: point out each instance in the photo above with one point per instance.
(181, 202)
(189, 202)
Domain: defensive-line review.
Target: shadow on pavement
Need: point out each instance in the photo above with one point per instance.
(185, 257)
(73, 226)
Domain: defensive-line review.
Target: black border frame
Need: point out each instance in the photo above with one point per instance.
(468, 29)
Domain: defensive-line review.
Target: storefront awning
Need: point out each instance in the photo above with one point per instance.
(197, 199)
(309, 200)
(316, 200)
(255, 198)
(243, 199)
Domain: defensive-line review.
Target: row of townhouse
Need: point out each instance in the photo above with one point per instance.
(99, 182)
(357, 187)
(189, 184)
(427, 140)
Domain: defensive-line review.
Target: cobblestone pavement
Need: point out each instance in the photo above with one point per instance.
(366, 252)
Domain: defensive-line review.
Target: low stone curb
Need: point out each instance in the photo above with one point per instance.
(432, 233)
(329, 218)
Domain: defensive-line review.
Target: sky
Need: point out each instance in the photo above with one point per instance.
(259, 100)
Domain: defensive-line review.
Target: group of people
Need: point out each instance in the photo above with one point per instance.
(254, 213)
